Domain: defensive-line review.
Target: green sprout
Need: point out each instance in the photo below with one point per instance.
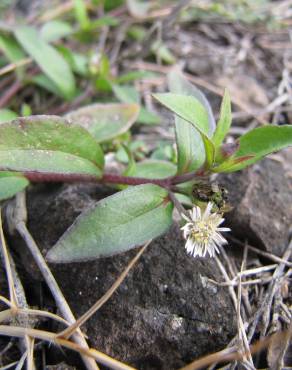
(71, 149)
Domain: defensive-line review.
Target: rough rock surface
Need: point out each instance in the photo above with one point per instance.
(164, 315)
(262, 201)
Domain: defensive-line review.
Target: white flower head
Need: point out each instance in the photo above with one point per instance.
(202, 233)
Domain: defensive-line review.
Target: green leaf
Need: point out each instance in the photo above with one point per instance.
(46, 143)
(256, 144)
(162, 52)
(224, 122)
(48, 162)
(44, 82)
(184, 199)
(179, 84)
(11, 48)
(209, 151)
(13, 52)
(188, 108)
(131, 167)
(25, 111)
(48, 59)
(134, 75)
(136, 32)
(81, 14)
(146, 117)
(115, 224)
(10, 184)
(128, 94)
(105, 121)
(55, 30)
(78, 62)
(190, 146)
(99, 65)
(192, 111)
(106, 20)
(7, 115)
(154, 169)
(164, 151)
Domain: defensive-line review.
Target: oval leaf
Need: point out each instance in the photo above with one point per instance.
(256, 144)
(11, 49)
(224, 122)
(154, 169)
(188, 108)
(7, 115)
(46, 162)
(13, 52)
(188, 139)
(10, 184)
(179, 84)
(192, 111)
(47, 57)
(55, 30)
(105, 121)
(34, 136)
(128, 94)
(115, 224)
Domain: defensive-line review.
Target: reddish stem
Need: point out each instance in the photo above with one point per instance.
(110, 178)
(179, 179)
(10, 93)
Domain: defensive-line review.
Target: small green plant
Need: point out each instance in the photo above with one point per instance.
(50, 148)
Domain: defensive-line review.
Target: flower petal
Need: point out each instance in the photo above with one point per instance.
(208, 210)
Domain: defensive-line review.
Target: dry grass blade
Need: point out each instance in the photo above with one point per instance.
(12, 293)
(264, 310)
(21, 361)
(5, 301)
(277, 351)
(241, 329)
(270, 256)
(58, 11)
(17, 218)
(7, 314)
(12, 66)
(69, 331)
(20, 332)
(231, 354)
(29, 359)
(13, 365)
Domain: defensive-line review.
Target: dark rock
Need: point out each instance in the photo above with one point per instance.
(262, 199)
(3, 285)
(164, 314)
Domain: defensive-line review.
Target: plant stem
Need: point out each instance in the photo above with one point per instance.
(179, 179)
(111, 178)
(177, 204)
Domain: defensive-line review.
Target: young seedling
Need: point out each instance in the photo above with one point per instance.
(50, 148)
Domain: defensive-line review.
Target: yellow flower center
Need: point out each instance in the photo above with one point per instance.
(203, 231)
